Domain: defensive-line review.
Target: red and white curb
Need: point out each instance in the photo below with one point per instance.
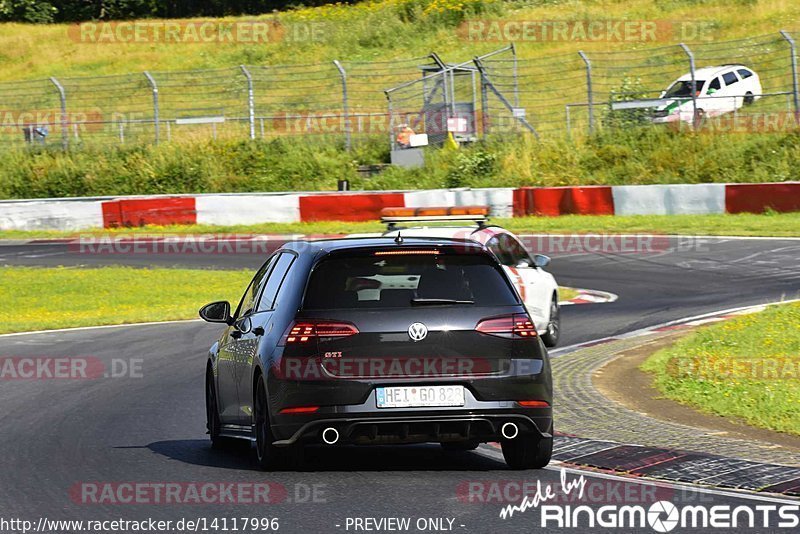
(589, 296)
(283, 207)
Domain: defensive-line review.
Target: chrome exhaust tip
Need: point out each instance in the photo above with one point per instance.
(509, 430)
(330, 435)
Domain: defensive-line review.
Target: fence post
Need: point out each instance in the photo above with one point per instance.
(516, 76)
(391, 118)
(795, 82)
(64, 126)
(590, 98)
(345, 104)
(569, 121)
(154, 87)
(251, 102)
(690, 55)
(484, 107)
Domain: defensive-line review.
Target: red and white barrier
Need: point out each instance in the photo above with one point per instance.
(247, 209)
(742, 198)
(254, 208)
(347, 206)
(672, 199)
(499, 200)
(552, 201)
(67, 214)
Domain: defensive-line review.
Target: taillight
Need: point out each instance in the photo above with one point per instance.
(306, 331)
(300, 410)
(517, 325)
(533, 404)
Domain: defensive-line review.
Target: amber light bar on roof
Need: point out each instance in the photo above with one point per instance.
(437, 213)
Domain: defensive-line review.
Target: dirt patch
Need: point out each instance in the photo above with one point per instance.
(622, 381)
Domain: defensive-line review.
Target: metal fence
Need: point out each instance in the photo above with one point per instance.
(468, 100)
(340, 98)
(508, 90)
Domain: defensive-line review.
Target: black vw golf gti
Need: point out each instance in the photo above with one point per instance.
(369, 341)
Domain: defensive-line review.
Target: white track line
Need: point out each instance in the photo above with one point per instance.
(648, 329)
(80, 328)
(556, 466)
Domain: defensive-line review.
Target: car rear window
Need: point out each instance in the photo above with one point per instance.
(399, 279)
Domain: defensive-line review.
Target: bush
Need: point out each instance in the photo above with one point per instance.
(27, 11)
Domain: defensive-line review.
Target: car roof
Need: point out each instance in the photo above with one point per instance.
(710, 72)
(344, 243)
(479, 234)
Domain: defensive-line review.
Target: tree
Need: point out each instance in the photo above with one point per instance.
(27, 11)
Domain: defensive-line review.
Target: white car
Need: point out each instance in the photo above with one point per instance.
(719, 90)
(537, 288)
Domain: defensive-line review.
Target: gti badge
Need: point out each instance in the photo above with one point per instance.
(417, 331)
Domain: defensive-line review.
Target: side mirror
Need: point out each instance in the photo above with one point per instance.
(217, 312)
(540, 260)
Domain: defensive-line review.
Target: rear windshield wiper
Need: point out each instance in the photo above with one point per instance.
(423, 302)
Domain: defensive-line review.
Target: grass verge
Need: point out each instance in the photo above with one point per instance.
(48, 298)
(640, 155)
(744, 224)
(747, 368)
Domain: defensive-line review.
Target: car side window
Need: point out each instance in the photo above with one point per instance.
(247, 303)
(715, 85)
(495, 245)
(730, 78)
(744, 73)
(516, 251)
(275, 281)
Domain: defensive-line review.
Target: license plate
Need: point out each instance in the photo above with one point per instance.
(420, 396)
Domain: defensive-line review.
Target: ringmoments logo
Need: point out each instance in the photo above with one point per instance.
(661, 516)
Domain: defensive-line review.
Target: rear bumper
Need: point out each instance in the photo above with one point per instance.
(366, 424)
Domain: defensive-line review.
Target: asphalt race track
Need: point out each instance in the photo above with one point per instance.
(64, 443)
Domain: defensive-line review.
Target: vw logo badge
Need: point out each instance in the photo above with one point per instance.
(417, 331)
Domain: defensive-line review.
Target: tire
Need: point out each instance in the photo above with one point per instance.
(460, 446)
(213, 424)
(266, 453)
(527, 452)
(553, 331)
(749, 98)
